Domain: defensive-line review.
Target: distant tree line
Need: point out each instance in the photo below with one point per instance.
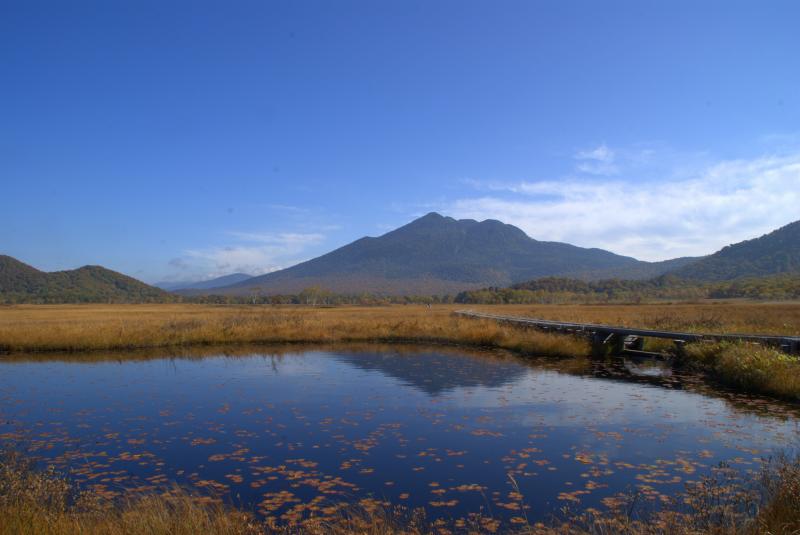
(563, 290)
(550, 290)
(80, 297)
(317, 296)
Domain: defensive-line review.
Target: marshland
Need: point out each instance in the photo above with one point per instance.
(174, 418)
(235, 238)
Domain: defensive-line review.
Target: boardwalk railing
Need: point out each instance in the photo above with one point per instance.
(633, 339)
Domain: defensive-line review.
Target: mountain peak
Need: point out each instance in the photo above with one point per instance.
(435, 254)
(430, 219)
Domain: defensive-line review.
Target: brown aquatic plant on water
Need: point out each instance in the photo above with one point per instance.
(726, 503)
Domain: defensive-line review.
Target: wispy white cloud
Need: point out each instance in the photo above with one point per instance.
(596, 161)
(251, 252)
(281, 238)
(695, 211)
(601, 153)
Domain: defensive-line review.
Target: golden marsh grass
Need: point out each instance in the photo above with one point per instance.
(748, 368)
(89, 327)
(112, 327)
(49, 328)
(748, 317)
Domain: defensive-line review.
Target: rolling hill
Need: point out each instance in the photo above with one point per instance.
(437, 255)
(772, 254)
(21, 283)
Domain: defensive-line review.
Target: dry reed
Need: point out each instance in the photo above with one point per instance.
(747, 367)
(753, 317)
(82, 328)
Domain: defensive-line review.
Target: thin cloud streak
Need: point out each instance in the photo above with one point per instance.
(254, 253)
(718, 204)
(601, 153)
(597, 161)
(284, 238)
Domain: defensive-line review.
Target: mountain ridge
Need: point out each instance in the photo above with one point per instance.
(439, 254)
(431, 255)
(770, 254)
(22, 283)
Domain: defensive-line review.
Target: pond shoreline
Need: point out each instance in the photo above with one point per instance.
(78, 329)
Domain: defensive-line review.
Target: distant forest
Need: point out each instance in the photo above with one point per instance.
(549, 290)
(563, 290)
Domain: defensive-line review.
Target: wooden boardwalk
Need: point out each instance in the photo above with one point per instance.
(624, 338)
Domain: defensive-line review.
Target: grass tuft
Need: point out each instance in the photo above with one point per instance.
(747, 367)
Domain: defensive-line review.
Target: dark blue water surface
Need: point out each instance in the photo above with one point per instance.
(297, 432)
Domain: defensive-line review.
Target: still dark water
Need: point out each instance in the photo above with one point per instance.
(298, 431)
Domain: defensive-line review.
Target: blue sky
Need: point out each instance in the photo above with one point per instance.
(174, 140)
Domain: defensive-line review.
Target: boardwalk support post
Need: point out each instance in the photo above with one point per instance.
(600, 345)
(617, 343)
(680, 349)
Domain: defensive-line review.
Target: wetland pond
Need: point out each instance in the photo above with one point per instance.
(288, 433)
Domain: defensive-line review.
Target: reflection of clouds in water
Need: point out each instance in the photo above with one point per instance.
(538, 396)
(564, 401)
(367, 416)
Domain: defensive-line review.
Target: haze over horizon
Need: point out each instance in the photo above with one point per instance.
(177, 141)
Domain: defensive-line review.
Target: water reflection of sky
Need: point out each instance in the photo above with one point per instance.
(427, 428)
